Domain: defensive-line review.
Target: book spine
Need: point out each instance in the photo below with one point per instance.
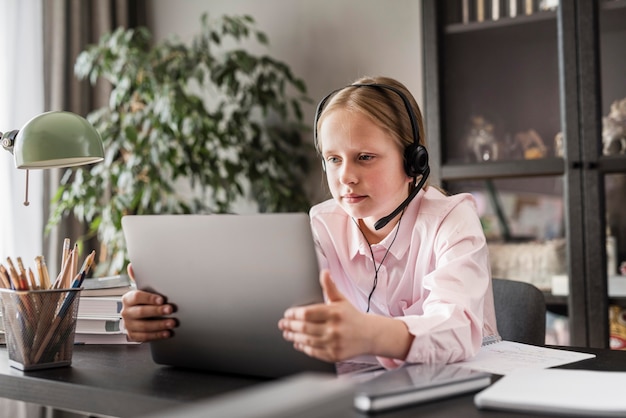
(99, 326)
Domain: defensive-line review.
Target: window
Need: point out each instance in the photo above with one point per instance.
(21, 97)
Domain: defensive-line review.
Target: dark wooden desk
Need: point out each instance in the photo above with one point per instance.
(114, 380)
(122, 381)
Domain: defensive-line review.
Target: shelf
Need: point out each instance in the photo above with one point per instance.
(612, 164)
(503, 169)
(503, 22)
(613, 10)
(611, 5)
(552, 300)
(524, 168)
(613, 15)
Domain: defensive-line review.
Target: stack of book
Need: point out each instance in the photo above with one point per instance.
(99, 320)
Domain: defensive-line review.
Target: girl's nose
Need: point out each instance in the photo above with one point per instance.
(348, 173)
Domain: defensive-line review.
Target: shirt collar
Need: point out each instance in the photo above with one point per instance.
(358, 243)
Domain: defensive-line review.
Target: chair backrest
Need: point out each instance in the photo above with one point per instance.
(520, 311)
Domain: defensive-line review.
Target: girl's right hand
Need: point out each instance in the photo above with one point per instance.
(142, 312)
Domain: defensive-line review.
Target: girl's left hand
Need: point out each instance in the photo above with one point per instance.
(332, 331)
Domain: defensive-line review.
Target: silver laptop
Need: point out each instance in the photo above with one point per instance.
(231, 277)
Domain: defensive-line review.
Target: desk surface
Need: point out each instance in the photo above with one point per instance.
(123, 381)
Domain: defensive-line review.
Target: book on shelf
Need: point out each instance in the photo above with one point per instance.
(99, 306)
(107, 286)
(103, 325)
(107, 329)
(104, 330)
(416, 383)
(95, 338)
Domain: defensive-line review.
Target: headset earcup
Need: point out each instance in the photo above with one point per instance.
(415, 160)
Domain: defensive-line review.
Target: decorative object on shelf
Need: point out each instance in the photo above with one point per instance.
(512, 8)
(529, 145)
(614, 129)
(484, 10)
(495, 9)
(558, 145)
(548, 5)
(617, 327)
(480, 10)
(611, 251)
(190, 127)
(529, 7)
(622, 268)
(465, 11)
(481, 140)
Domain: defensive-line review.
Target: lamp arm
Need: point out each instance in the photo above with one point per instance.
(8, 140)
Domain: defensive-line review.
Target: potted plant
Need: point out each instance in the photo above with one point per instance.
(189, 128)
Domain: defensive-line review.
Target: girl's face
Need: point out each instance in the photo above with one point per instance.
(364, 166)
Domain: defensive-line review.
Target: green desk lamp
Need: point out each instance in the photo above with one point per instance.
(54, 139)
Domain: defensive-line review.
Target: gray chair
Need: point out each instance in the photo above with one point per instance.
(520, 311)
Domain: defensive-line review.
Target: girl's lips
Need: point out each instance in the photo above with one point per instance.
(352, 198)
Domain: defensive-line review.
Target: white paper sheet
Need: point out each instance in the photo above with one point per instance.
(505, 357)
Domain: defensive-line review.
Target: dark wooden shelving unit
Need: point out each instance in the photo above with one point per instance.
(553, 71)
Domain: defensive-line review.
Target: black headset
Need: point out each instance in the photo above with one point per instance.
(415, 155)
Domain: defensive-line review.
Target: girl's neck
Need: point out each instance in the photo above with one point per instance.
(374, 236)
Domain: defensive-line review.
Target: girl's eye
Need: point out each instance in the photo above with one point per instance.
(366, 157)
(332, 159)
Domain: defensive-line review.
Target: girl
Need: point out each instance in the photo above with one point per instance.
(415, 289)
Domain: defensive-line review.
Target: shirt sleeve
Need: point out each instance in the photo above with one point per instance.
(321, 257)
(447, 325)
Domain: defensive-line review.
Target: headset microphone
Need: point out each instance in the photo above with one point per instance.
(384, 221)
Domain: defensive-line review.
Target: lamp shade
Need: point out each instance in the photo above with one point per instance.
(57, 139)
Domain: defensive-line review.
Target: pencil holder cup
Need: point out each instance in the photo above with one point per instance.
(39, 326)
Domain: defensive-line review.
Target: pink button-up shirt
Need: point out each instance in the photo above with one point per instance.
(436, 277)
